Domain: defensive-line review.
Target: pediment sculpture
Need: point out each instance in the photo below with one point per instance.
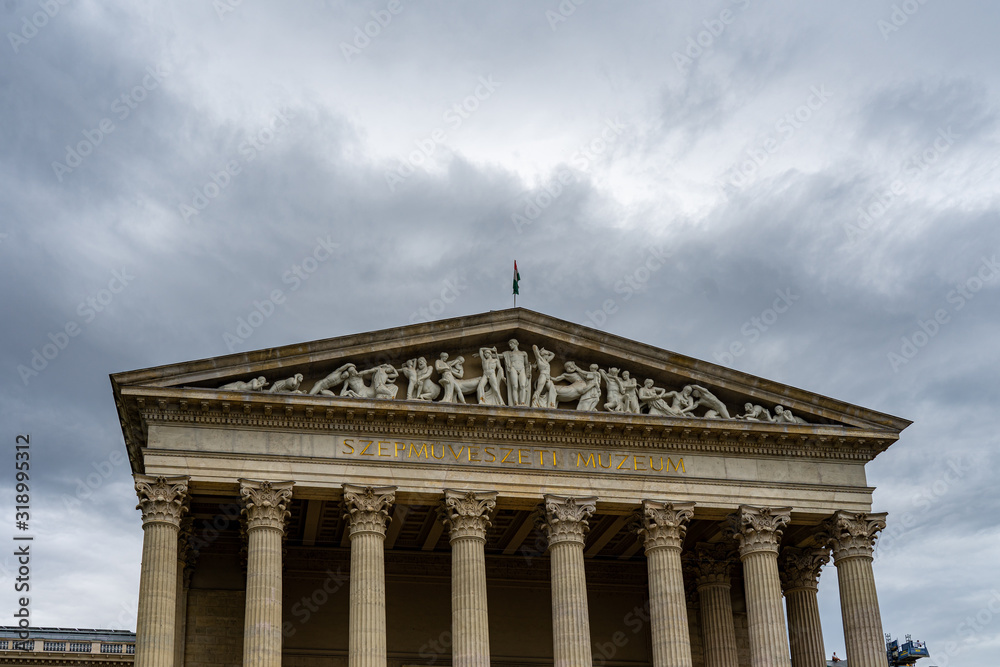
(511, 378)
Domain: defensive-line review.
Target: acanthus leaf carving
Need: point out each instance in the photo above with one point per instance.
(800, 568)
(565, 519)
(368, 508)
(467, 514)
(265, 503)
(162, 499)
(664, 524)
(852, 534)
(758, 528)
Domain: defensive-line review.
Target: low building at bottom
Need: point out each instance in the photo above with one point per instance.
(60, 647)
(538, 493)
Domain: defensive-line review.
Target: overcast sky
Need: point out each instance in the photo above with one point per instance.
(166, 167)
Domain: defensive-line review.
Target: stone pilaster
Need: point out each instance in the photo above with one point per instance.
(757, 531)
(711, 565)
(565, 524)
(367, 517)
(467, 516)
(852, 537)
(264, 507)
(800, 569)
(663, 526)
(163, 501)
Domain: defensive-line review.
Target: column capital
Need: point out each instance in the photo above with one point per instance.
(800, 568)
(664, 524)
(758, 529)
(162, 499)
(565, 518)
(467, 513)
(265, 503)
(368, 508)
(711, 564)
(852, 534)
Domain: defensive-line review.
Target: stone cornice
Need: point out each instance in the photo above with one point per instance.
(852, 535)
(467, 513)
(565, 519)
(800, 568)
(664, 524)
(141, 406)
(162, 499)
(758, 529)
(368, 508)
(265, 503)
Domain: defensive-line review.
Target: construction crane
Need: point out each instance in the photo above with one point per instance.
(905, 655)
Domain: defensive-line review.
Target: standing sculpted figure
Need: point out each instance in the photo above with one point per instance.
(518, 374)
(630, 399)
(488, 391)
(614, 385)
(332, 380)
(543, 361)
(703, 397)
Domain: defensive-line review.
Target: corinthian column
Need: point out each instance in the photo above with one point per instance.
(163, 501)
(663, 526)
(367, 516)
(264, 506)
(758, 530)
(800, 569)
(852, 537)
(565, 524)
(467, 516)
(711, 565)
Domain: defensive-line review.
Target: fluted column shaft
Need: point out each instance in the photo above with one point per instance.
(852, 537)
(663, 526)
(367, 517)
(800, 570)
(265, 510)
(758, 533)
(565, 524)
(467, 516)
(163, 502)
(718, 631)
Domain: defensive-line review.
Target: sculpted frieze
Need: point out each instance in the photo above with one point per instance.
(512, 378)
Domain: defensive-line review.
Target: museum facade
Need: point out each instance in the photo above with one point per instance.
(503, 489)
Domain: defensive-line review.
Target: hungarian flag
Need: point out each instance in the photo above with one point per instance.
(517, 276)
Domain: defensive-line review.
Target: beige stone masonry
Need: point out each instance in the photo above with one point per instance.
(758, 531)
(852, 537)
(163, 501)
(663, 526)
(467, 516)
(565, 524)
(367, 517)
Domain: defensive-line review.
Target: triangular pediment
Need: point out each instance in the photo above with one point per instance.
(469, 362)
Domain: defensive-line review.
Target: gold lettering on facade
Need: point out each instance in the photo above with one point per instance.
(489, 451)
(380, 443)
(348, 444)
(660, 469)
(471, 459)
(509, 452)
(370, 442)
